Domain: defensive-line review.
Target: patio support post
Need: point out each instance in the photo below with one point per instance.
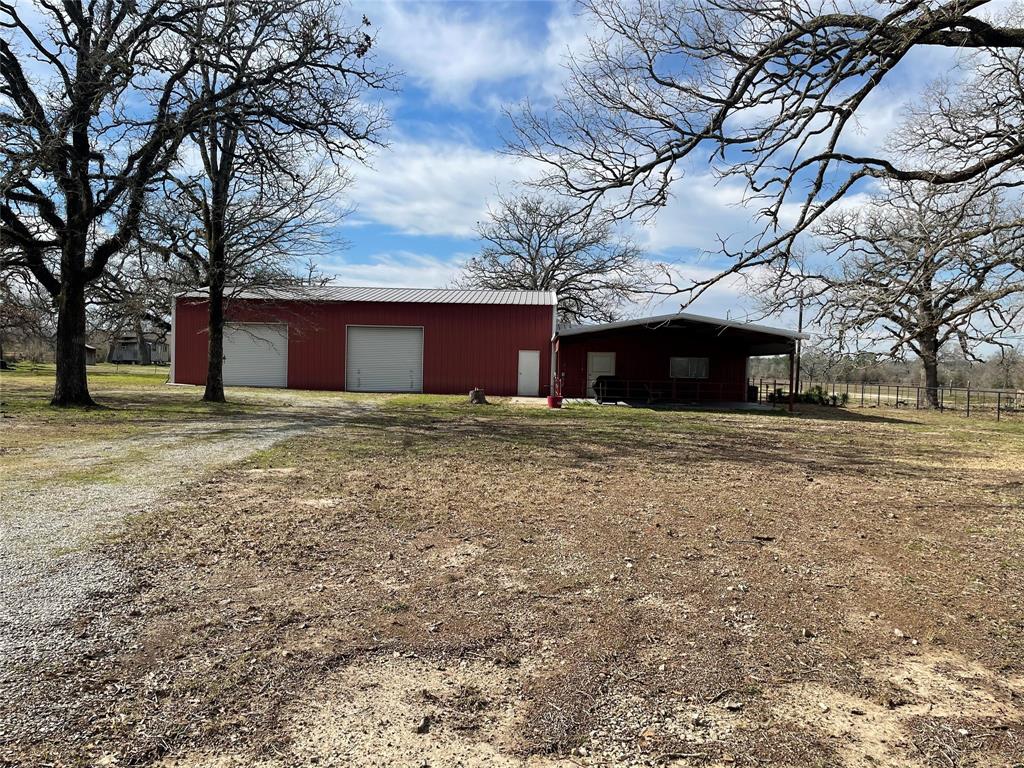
(792, 385)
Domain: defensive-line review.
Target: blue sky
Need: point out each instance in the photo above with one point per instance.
(462, 63)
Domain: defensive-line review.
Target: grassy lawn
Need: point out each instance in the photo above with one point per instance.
(427, 582)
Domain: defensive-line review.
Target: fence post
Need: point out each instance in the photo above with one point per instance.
(897, 395)
(968, 401)
(999, 402)
(862, 394)
(878, 400)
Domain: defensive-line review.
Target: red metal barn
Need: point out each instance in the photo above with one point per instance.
(374, 340)
(680, 357)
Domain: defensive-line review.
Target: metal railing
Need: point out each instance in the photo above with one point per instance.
(970, 401)
(669, 391)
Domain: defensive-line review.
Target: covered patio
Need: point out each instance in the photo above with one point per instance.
(677, 358)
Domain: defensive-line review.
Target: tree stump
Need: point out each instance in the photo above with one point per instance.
(476, 397)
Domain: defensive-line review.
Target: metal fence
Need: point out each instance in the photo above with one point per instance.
(969, 401)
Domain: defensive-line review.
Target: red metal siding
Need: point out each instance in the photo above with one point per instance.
(643, 355)
(464, 345)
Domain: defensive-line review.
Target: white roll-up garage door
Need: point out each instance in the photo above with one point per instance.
(383, 358)
(256, 355)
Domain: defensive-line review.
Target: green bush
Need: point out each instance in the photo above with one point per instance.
(818, 395)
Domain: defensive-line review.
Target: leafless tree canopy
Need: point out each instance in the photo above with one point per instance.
(25, 312)
(270, 162)
(768, 91)
(534, 243)
(96, 99)
(918, 268)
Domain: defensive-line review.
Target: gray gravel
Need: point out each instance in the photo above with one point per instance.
(52, 514)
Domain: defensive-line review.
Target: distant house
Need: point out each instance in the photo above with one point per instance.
(90, 354)
(128, 349)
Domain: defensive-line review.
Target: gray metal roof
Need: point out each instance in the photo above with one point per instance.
(661, 320)
(398, 295)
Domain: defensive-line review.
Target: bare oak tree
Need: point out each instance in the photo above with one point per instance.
(94, 104)
(264, 192)
(769, 92)
(918, 268)
(534, 243)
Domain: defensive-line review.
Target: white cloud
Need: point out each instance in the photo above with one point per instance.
(455, 52)
(700, 209)
(399, 269)
(727, 298)
(450, 52)
(432, 188)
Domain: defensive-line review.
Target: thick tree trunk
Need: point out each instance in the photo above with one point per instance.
(215, 365)
(145, 357)
(72, 387)
(930, 362)
(218, 159)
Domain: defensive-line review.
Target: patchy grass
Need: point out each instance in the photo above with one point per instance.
(431, 581)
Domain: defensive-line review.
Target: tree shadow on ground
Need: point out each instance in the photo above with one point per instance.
(780, 443)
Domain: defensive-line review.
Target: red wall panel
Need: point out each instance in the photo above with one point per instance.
(643, 355)
(464, 345)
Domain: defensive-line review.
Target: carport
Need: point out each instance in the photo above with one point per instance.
(667, 358)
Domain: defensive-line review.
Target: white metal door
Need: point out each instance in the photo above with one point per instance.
(384, 358)
(599, 364)
(256, 355)
(529, 372)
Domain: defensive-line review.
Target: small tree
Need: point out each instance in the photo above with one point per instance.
(259, 200)
(267, 222)
(1008, 365)
(532, 243)
(26, 313)
(917, 268)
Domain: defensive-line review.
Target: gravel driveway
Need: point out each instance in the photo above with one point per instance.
(58, 503)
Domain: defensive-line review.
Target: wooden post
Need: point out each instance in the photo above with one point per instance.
(799, 345)
(999, 402)
(968, 401)
(792, 385)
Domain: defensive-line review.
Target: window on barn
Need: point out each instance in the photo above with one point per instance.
(688, 367)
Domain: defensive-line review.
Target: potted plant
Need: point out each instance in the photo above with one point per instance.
(555, 398)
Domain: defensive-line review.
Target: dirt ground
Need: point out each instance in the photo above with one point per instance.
(426, 583)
